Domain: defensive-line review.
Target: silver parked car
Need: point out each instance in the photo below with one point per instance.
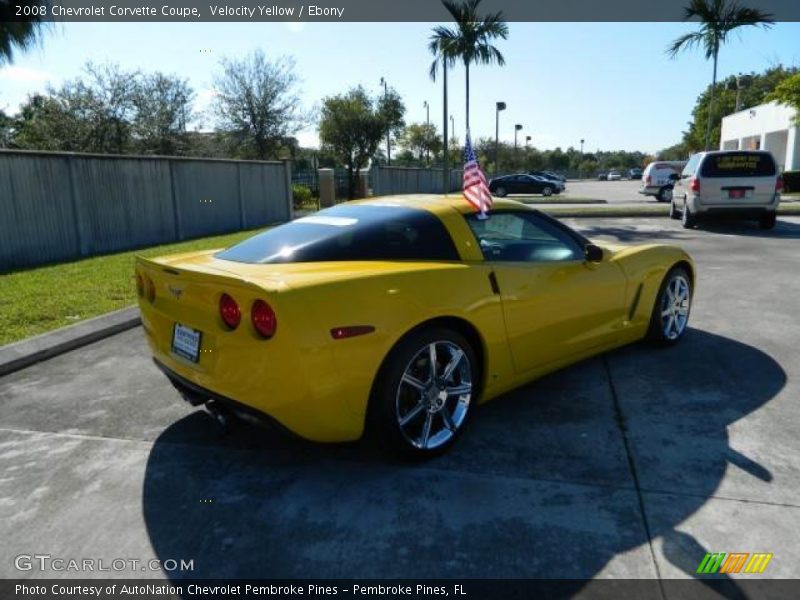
(745, 183)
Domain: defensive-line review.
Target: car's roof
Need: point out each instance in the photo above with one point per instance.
(439, 204)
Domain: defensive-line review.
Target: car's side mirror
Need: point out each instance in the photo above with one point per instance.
(674, 177)
(593, 253)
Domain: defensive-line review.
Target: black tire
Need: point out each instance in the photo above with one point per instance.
(547, 191)
(673, 211)
(767, 220)
(664, 194)
(392, 395)
(656, 333)
(500, 192)
(688, 220)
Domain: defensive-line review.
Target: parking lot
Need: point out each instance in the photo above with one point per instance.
(628, 465)
(613, 192)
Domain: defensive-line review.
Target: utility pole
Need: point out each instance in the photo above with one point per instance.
(498, 107)
(427, 127)
(445, 163)
(388, 143)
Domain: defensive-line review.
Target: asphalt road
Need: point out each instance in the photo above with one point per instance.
(613, 192)
(629, 465)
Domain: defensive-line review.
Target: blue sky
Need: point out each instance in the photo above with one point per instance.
(609, 83)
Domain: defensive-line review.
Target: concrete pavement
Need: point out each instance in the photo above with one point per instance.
(629, 465)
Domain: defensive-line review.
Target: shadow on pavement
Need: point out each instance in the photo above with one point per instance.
(783, 229)
(257, 505)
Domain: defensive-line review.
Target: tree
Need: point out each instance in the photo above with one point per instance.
(421, 139)
(470, 40)
(257, 103)
(788, 92)
(18, 35)
(718, 19)
(163, 107)
(6, 128)
(352, 126)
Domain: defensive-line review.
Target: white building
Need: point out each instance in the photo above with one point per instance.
(764, 127)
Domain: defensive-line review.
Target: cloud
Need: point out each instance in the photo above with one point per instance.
(15, 74)
(295, 26)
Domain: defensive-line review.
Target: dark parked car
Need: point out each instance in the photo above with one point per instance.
(602, 176)
(524, 184)
(635, 173)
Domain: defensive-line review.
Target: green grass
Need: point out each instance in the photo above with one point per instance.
(37, 300)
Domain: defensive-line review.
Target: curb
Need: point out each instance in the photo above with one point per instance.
(18, 355)
(604, 214)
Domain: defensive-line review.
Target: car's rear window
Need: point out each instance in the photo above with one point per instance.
(738, 164)
(352, 232)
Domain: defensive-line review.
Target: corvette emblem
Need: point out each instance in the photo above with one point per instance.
(175, 291)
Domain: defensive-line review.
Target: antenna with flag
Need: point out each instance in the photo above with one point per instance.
(476, 189)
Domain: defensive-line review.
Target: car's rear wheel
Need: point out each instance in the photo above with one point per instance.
(670, 315)
(547, 191)
(688, 220)
(425, 393)
(501, 192)
(664, 194)
(767, 220)
(673, 211)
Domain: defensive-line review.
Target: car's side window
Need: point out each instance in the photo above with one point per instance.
(522, 237)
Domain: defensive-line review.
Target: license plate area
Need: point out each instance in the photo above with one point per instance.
(737, 194)
(186, 342)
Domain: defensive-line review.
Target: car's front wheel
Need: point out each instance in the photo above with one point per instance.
(670, 314)
(501, 192)
(425, 393)
(547, 191)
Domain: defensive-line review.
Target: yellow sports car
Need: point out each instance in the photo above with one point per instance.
(398, 316)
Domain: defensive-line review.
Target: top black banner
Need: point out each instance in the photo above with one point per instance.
(362, 10)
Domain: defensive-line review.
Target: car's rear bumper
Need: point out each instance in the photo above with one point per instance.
(742, 212)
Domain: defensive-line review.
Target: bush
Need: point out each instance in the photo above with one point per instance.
(791, 181)
(302, 196)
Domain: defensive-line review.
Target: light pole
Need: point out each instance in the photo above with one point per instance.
(517, 128)
(582, 140)
(498, 107)
(527, 140)
(388, 145)
(427, 126)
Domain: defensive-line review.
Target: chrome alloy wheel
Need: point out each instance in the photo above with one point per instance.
(675, 307)
(433, 396)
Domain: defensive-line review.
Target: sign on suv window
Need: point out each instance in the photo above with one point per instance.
(739, 164)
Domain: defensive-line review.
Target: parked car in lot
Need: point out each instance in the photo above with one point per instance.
(736, 182)
(552, 175)
(397, 319)
(635, 174)
(523, 183)
(614, 176)
(602, 176)
(658, 180)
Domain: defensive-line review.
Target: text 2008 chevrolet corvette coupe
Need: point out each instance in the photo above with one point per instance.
(399, 316)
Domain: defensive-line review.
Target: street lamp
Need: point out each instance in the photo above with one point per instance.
(517, 128)
(582, 140)
(739, 83)
(527, 140)
(385, 85)
(498, 107)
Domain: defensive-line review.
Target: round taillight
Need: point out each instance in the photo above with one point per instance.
(229, 311)
(150, 289)
(139, 286)
(264, 320)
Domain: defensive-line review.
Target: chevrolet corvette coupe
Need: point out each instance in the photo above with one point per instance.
(396, 317)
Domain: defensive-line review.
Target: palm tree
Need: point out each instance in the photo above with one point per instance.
(470, 40)
(19, 34)
(718, 18)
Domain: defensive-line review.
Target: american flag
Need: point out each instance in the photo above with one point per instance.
(476, 190)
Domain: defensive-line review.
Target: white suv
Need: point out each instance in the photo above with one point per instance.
(728, 182)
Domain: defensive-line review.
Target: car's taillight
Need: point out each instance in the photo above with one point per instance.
(779, 184)
(229, 311)
(694, 185)
(647, 180)
(139, 285)
(264, 320)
